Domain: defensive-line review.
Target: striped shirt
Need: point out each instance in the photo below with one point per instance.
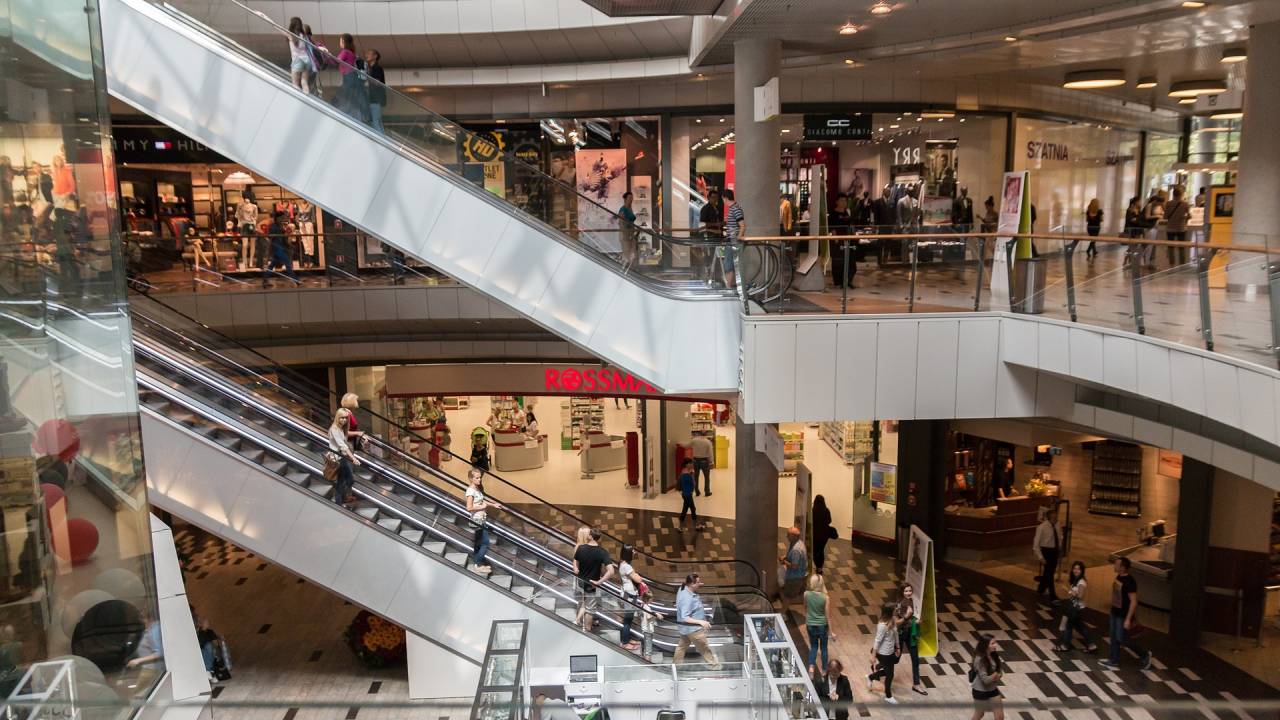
(734, 220)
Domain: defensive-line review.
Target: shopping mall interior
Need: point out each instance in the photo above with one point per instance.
(557, 359)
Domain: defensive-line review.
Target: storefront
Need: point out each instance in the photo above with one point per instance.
(1071, 164)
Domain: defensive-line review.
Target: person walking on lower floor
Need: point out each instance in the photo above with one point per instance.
(884, 653)
(688, 487)
(909, 634)
(691, 616)
(793, 567)
(1124, 616)
(1073, 611)
(1046, 547)
(815, 620)
(703, 450)
(822, 532)
(985, 673)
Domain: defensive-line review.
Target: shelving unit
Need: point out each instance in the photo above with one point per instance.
(579, 416)
(457, 403)
(1117, 479)
(702, 418)
(507, 408)
(1273, 573)
(850, 440)
(792, 452)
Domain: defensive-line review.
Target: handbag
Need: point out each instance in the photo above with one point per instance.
(831, 532)
(479, 518)
(331, 462)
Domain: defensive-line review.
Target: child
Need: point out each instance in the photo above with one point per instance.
(648, 621)
(480, 451)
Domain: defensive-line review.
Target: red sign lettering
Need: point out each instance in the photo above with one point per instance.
(592, 380)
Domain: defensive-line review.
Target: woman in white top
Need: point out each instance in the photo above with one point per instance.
(1073, 611)
(477, 507)
(347, 459)
(300, 63)
(530, 424)
(631, 582)
(884, 652)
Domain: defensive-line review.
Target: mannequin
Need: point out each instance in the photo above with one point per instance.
(883, 213)
(962, 211)
(908, 211)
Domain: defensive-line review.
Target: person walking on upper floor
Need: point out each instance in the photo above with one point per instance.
(815, 619)
(478, 506)
(703, 451)
(822, 532)
(691, 616)
(844, 255)
(1093, 226)
(986, 670)
(793, 566)
(1046, 546)
(909, 634)
(735, 228)
(1177, 212)
(280, 255)
(1073, 611)
(885, 652)
(627, 231)
(786, 215)
(342, 454)
(300, 61)
(1124, 616)
(376, 88)
(688, 488)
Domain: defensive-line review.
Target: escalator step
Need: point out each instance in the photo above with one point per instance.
(434, 547)
(412, 535)
(275, 465)
(368, 512)
(297, 477)
(547, 603)
(567, 613)
(523, 591)
(456, 557)
(320, 487)
(391, 523)
(502, 581)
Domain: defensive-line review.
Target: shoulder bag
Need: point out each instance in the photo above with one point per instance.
(331, 461)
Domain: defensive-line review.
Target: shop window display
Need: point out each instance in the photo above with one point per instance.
(77, 580)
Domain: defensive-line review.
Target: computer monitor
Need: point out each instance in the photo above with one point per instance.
(582, 664)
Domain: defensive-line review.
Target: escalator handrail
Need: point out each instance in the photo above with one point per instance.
(321, 391)
(459, 544)
(406, 149)
(159, 386)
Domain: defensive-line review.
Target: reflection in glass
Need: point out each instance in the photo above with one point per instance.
(508, 636)
(75, 563)
(494, 706)
(501, 670)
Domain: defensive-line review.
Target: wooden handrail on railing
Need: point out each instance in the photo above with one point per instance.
(989, 236)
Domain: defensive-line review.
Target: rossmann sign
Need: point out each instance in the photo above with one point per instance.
(515, 379)
(595, 380)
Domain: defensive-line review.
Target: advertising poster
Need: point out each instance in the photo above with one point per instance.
(1013, 214)
(884, 483)
(936, 210)
(601, 180)
(495, 178)
(642, 205)
(940, 167)
(919, 575)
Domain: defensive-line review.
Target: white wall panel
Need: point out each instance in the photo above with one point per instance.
(1257, 415)
(374, 569)
(976, 365)
(1186, 381)
(1019, 341)
(816, 359)
(434, 672)
(1154, 372)
(290, 143)
(855, 371)
(1120, 363)
(775, 368)
(1114, 422)
(1188, 444)
(318, 542)
(638, 326)
(521, 266)
(1054, 348)
(1222, 393)
(1015, 391)
(1086, 355)
(1233, 460)
(938, 347)
(896, 351)
(1152, 433)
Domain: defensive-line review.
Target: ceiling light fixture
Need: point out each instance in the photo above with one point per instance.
(1234, 55)
(1193, 4)
(786, 130)
(1146, 83)
(894, 126)
(1010, 38)
(937, 114)
(1196, 88)
(848, 29)
(1187, 101)
(1227, 115)
(848, 61)
(1093, 79)
(881, 8)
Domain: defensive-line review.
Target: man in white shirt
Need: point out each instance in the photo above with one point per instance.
(703, 450)
(1046, 546)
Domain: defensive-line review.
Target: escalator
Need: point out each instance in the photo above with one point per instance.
(558, 258)
(233, 444)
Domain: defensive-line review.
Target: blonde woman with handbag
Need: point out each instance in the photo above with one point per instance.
(340, 461)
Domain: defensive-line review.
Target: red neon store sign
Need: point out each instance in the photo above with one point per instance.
(595, 380)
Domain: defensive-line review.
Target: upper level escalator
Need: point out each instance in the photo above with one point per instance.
(203, 386)
(563, 260)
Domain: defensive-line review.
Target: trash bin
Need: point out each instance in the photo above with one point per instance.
(1027, 293)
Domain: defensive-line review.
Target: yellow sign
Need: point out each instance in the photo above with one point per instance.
(1221, 210)
(483, 146)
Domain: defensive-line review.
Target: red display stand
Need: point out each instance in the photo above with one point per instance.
(633, 459)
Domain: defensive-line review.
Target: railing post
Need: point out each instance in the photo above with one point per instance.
(1009, 247)
(844, 282)
(1204, 258)
(1069, 252)
(1273, 285)
(1134, 253)
(977, 291)
(915, 256)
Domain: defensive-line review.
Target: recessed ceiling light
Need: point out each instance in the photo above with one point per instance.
(786, 130)
(1010, 38)
(1187, 101)
(1195, 88)
(961, 119)
(894, 126)
(1146, 83)
(937, 114)
(698, 120)
(1093, 79)
(848, 61)
(721, 119)
(1234, 55)
(881, 8)
(1193, 4)
(1227, 115)
(919, 119)
(501, 122)
(848, 29)
(701, 75)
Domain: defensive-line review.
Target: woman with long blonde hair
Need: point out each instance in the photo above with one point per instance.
(340, 452)
(815, 619)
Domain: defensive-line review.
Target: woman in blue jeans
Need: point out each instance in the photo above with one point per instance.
(347, 460)
(815, 619)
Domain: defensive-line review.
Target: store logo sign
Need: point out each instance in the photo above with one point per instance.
(595, 380)
(906, 156)
(1037, 150)
(837, 127)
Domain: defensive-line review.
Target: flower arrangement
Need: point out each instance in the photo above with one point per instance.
(377, 642)
(1035, 487)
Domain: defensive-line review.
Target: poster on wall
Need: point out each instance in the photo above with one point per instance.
(601, 177)
(936, 210)
(940, 167)
(919, 575)
(642, 205)
(863, 181)
(495, 178)
(730, 167)
(884, 483)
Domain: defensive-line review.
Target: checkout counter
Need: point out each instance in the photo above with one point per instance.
(1151, 565)
(1007, 524)
(602, 452)
(513, 450)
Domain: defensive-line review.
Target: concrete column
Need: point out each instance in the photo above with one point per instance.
(922, 474)
(755, 510)
(1201, 152)
(676, 195)
(1195, 498)
(757, 145)
(1257, 219)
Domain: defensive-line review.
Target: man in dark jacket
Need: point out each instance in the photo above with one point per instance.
(377, 88)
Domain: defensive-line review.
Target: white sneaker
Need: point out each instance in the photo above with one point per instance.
(891, 701)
